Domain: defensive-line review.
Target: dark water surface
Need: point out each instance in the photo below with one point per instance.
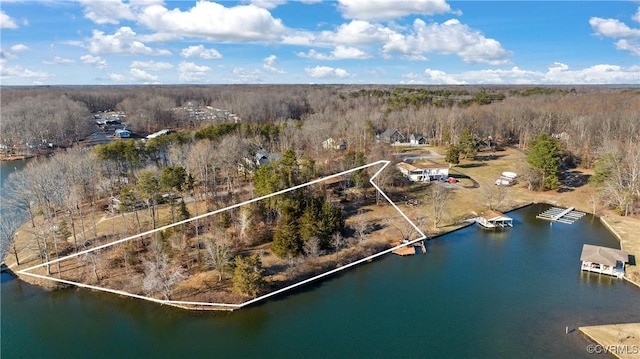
(475, 294)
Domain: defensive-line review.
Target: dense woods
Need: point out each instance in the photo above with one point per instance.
(216, 160)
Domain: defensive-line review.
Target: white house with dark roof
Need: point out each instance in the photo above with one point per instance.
(417, 139)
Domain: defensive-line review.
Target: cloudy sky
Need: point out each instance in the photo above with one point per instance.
(77, 42)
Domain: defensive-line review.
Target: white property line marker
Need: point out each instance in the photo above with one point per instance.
(252, 301)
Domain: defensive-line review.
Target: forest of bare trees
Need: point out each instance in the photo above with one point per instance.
(213, 161)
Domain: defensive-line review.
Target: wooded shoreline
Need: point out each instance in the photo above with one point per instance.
(225, 145)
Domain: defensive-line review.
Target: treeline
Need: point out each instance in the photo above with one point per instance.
(590, 123)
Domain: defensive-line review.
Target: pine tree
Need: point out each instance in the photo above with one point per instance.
(544, 158)
(286, 240)
(247, 276)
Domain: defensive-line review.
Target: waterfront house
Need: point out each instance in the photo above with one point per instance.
(491, 219)
(603, 260)
(424, 172)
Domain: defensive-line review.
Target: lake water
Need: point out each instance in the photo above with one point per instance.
(475, 294)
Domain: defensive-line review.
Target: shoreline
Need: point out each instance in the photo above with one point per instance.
(620, 340)
(466, 199)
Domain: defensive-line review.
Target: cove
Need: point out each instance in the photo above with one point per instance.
(475, 294)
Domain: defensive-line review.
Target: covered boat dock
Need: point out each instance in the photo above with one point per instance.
(491, 219)
(603, 260)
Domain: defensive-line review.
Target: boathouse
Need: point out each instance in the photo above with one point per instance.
(491, 219)
(603, 260)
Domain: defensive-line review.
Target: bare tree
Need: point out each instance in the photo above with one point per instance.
(8, 227)
(160, 277)
(219, 252)
(312, 247)
(438, 197)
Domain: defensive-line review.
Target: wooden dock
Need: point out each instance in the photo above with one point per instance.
(410, 249)
(555, 214)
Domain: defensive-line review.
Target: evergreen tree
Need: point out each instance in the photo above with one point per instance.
(309, 222)
(453, 155)
(265, 180)
(544, 158)
(467, 144)
(286, 240)
(247, 276)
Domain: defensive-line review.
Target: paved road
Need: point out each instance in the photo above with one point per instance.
(412, 157)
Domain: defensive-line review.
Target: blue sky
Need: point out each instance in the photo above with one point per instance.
(87, 42)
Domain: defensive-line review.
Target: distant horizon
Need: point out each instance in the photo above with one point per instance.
(479, 85)
(307, 42)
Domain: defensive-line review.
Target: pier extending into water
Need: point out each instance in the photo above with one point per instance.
(556, 214)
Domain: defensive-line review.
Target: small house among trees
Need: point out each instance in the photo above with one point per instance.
(392, 136)
(331, 144)
(417, 139)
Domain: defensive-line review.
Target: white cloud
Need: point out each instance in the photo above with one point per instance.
(270, 63)
(359, 32)
(323, 72)
(390, 9)
(189, 72)
(244, 76)
(215, 22)
(628, 38)
(7, 55)
(141, 75)
(268, 4)
(440, 77)
(123, 41)
(341, 52)
(631, 45)
(7, 22)
(201, 52)
(58, 61)
(19, 48)
(96, 61)
(107, 11)
(612, 28)
(151, 65)
(636, 16)
(450, 37)
(558, 73)
(13, 72)
(117, 77)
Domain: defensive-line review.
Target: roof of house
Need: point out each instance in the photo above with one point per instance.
(603, 255)
(390, 132)
(406, 166)
(491, 215)
(416, 136)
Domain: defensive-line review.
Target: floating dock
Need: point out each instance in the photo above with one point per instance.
(562, 215)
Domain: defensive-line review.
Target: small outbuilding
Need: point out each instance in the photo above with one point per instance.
(603, 260)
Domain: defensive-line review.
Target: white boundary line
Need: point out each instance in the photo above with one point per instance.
(252, 301)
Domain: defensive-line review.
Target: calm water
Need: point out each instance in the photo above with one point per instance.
(475, 294)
